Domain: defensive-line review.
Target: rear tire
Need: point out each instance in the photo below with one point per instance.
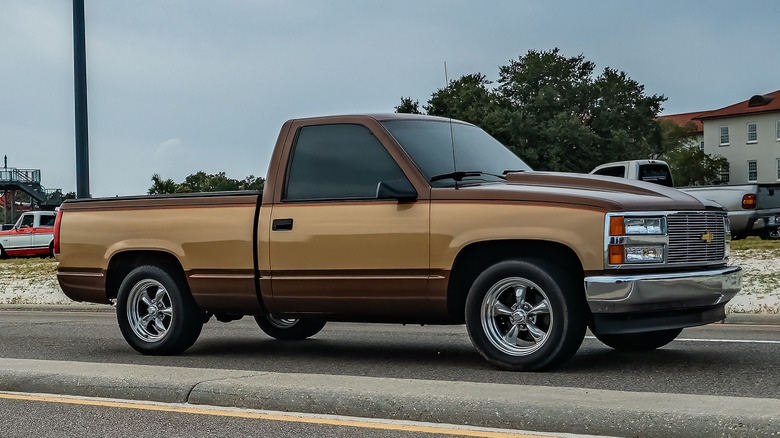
(289, 329)
(773, 234)
(156, 312)
(644, 341)
(525, 315)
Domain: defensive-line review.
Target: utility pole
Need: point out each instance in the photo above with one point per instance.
(80, 90)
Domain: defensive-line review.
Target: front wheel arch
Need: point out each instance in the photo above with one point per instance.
(473, 259)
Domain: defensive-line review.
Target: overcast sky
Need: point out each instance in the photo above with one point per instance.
(181, 86)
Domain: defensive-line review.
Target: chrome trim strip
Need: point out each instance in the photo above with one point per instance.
(223, 276)
(80, 274)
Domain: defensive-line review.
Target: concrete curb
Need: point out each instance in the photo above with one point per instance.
(549, 409)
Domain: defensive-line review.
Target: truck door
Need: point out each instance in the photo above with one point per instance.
(21, 237)
(335, 247)
(43, 233)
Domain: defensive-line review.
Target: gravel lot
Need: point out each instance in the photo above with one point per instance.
(33, 280)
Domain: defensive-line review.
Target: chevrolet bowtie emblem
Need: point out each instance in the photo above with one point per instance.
(707, 237)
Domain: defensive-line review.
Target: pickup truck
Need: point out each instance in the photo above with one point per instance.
(406, 219)
(33, 234)
(753, 209)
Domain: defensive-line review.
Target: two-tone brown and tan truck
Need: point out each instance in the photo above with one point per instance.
(406, 219)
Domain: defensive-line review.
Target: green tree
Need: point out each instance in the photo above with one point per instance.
(553, 112)
(204, 182)
(689, 164)
(408, 106)
(161, 186)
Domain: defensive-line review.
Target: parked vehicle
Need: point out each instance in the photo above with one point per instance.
(753, 209)
(406, 219)
(33, 234)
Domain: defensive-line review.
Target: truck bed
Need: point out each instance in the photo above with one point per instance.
(214, 239)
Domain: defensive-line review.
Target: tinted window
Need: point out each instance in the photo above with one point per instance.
(618, 171)
(430, 145)
(337, 162)
(27, 220)
(656, 173)
(47, 220)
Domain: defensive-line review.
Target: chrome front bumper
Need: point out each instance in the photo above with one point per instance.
(661, 292)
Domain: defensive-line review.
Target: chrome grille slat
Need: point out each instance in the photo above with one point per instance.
(686, 244)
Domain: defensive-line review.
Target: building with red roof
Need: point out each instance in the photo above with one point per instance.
(747, 134)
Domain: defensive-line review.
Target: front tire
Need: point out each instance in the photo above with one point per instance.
(156, 313)
(644, 341)
(288, 329)
(525, 315)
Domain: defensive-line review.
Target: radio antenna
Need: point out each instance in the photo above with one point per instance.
(452, 137)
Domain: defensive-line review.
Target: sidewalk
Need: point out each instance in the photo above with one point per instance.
(548, 409)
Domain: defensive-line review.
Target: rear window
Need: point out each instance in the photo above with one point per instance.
(47, 221)
(656, 173)
(618, 171)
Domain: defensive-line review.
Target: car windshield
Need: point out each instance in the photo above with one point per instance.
(478, 157)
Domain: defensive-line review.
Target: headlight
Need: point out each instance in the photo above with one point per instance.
(643, 225)
(644, 254)
(636, 239)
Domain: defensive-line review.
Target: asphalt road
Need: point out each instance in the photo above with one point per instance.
(45, 419)
(713, 364)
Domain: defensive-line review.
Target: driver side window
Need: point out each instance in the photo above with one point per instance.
(343, 161)
(27, 221)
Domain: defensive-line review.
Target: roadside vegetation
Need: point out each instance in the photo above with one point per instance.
(559, 113)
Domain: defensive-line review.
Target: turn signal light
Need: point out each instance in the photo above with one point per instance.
(749, 201)
(616, 254)
(617, 226)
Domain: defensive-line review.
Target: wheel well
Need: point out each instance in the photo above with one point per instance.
(475, 258)
(122, 263)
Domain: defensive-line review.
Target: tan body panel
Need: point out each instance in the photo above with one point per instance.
(351, 258)
(482, 221)
(212, 238)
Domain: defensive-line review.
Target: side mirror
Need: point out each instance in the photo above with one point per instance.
(400, 189)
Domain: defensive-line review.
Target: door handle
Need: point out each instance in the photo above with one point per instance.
(282, 225)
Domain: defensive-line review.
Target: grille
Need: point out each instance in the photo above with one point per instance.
(686, 244)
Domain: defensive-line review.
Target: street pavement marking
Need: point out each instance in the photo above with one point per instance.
(733, 341)
(332, 420)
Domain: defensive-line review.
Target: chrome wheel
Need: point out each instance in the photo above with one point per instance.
(516, 317)
(281, 323)
(149, 310)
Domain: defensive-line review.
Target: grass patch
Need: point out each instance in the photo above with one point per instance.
(754, 242)
(27, 267)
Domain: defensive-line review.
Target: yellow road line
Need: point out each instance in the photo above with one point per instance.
(367, 424)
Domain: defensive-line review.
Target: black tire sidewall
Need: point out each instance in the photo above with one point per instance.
(568, 329)
(187, 321)
(302, 329)
(644, 341)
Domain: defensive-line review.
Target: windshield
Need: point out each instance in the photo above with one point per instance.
(430, 145)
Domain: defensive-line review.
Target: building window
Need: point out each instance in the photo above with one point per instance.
(778, 169)
(724, 135)
(724, 174)
(701, 144)
(752, 133)
(752, 171)
(777, 128)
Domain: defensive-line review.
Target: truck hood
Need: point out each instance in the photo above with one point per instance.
(593, 191)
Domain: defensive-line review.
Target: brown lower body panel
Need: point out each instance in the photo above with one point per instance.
(224, 291)
(84, 285)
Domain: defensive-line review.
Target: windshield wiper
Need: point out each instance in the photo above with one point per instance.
(459, 175)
